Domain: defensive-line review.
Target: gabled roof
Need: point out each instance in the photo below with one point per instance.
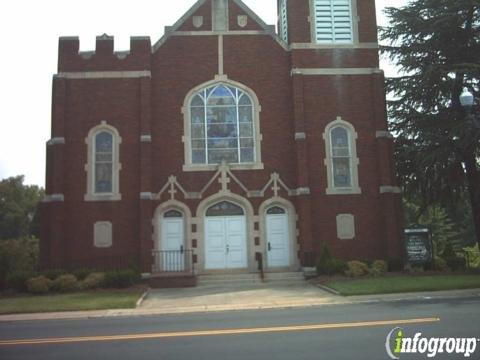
(170, 29)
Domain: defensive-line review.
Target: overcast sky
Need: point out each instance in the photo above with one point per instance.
(29, 31)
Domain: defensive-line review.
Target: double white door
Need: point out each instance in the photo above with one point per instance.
(225, 242)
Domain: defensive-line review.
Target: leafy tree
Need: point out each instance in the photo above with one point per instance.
(436, 45)
(18, 208)
(444, 230)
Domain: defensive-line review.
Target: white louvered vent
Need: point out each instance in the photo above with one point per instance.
(283, 21)
(333, 21)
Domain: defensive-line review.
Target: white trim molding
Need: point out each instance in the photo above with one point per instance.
(146, 195)
(354, 188)
(90, 165)
(146, 138)
(53, 198)
(335, 71)
(104, 74)
(303, 46)
(56, 141)
(383, 134)
(386, 189)
(300, 136)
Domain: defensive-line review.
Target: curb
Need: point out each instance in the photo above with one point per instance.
(142, 298)
(329, 289)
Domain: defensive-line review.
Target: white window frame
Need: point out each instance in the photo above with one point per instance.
(187, 139)
(353, 25)
(354, 161)
(91, 195)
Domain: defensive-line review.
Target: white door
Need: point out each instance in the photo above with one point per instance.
(225, 242)
(172, 254)
(278, 252)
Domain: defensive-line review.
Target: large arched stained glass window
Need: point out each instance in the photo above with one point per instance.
(103, 162)
(222, 126)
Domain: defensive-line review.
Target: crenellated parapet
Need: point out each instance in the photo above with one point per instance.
(104, 58)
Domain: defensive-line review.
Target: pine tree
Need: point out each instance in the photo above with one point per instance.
(436, 45)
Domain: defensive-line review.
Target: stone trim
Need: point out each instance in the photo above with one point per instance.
(146, 138)
(387, 189)
(300, 136)
(104, 74)
(53, 198)
(335, 71)
(102, 234)
(56, 141)
(302, 191)
(298, 46)
(146, 195)
(383, 134)
(345, 226)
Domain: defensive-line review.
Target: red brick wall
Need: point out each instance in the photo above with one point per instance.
(153, 106)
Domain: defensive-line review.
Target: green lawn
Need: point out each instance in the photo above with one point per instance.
(386, 285)
(92, 300)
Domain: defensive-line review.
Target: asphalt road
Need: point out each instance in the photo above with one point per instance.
(328, 332)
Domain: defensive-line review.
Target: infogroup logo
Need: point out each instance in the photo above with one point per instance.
(397, 343)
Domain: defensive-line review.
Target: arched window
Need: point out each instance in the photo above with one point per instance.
(341, 162)
(222, 126)
(341, 157)
(224, 208)
(103, 167)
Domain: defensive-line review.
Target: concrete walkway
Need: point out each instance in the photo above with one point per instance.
(237, 297)
(210, 298)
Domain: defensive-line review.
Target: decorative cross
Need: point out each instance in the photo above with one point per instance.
(275, 187)
(224, 179)
(172, 180)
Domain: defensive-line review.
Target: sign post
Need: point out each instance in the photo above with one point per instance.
(418, 247)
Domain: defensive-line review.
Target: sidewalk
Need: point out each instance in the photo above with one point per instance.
(234, 298)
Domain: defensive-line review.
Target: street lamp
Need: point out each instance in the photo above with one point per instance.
(466, 99)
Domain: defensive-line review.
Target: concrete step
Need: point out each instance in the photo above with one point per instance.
(248, 279)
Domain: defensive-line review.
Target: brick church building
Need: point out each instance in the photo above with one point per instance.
(223, 143)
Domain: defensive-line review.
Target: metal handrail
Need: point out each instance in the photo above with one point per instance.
(173, 261)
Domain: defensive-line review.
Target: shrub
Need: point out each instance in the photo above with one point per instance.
(52, 274)
(93, 281)
(453, 261)
(395, 264)
(65, 283)
(39, 285)
(82, 274)
(440, 264)
(17, 280)
(328, 265)
(120, 279)
(17, 255)
(356, 269)
(378, 268)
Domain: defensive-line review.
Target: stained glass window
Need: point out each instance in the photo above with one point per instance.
(225, 208)
(222, 126)
(103, 162)
(173, 214)
(276, 210)
(341, 157)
